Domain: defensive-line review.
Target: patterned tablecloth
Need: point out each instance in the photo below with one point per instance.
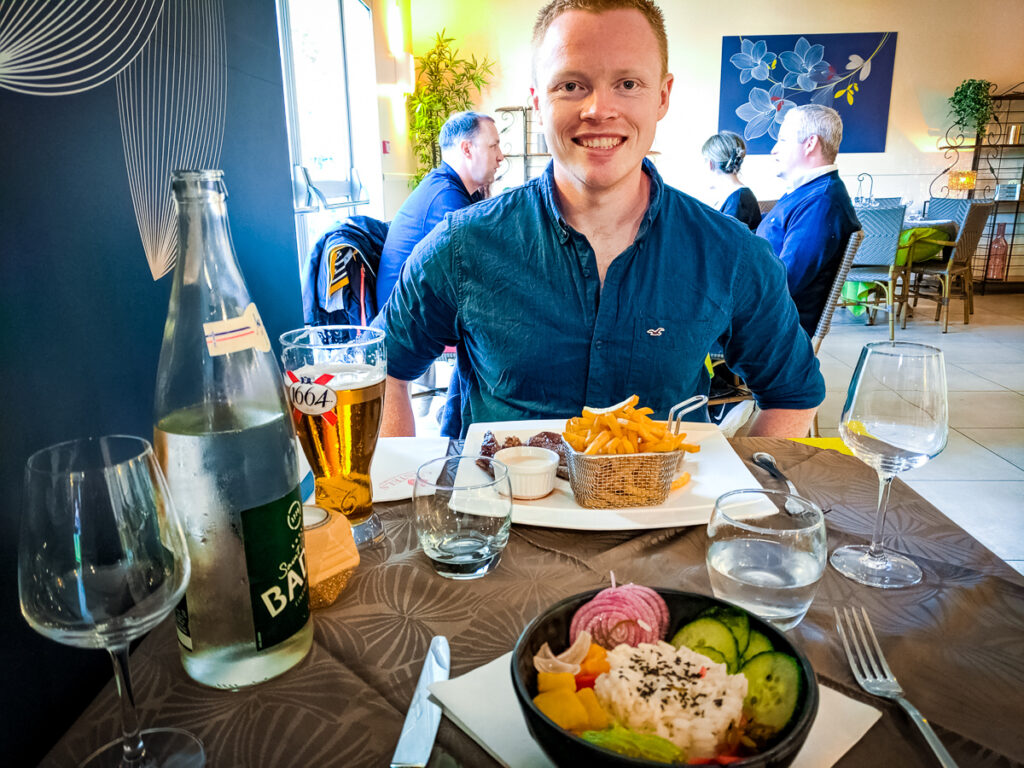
(956, 640)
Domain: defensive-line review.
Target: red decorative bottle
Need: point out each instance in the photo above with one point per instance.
(997, 255)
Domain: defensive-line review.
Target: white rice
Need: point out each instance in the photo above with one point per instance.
(658, 689)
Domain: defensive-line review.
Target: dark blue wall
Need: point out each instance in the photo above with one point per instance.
(81, 318)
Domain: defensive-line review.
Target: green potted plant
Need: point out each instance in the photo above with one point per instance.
(443, 85)
(971, 105)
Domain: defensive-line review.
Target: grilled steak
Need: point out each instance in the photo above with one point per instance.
(489, 446)
(550, 440)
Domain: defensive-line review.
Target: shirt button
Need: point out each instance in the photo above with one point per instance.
(586, 273)
(598, 343)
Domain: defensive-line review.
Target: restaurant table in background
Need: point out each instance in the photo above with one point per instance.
(920, 229)
(956, 641)
(914, 230)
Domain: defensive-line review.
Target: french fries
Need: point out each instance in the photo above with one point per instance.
(622, 429)
(680, 481)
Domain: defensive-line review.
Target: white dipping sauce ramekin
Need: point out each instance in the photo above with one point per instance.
(531, 470)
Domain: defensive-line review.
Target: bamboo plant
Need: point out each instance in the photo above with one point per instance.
(444, 83)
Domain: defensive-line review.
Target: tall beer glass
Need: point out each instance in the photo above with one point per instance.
(335, 379)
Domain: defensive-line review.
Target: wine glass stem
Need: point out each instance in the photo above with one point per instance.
(131, 740)
(884, 486)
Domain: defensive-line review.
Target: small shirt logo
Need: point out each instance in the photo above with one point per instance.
(655, 331)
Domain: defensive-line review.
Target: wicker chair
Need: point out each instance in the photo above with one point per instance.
(766, 206)
(741, 392)
(825, 321)
(953, 208)
(876, 262)
(886, 202)
(955, 270)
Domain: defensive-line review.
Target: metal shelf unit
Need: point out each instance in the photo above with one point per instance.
(522, 145)
(999, 160)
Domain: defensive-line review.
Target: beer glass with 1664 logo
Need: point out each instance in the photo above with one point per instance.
(335, 378)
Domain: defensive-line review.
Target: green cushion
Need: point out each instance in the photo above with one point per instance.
(909, 242)
(854, 291)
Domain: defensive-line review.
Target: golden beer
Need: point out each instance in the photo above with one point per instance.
(337, 412)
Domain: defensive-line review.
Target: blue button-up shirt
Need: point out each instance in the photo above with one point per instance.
(516, 289)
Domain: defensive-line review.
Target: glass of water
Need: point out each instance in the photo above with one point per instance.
(766, 553)
(463, 507)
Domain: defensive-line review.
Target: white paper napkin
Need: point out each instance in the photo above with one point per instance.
(395, 463)
(483, 704)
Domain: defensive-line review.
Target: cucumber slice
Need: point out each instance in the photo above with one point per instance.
(773, 688)
(758, 644)
(713, 634)
(736, 620)
(711, 653)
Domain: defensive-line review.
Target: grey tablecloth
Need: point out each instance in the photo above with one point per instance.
(956, 640)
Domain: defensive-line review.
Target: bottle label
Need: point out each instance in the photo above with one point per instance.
(275, 558)
(237, 333)
(181, 622)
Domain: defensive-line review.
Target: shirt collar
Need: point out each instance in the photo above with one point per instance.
(813, 174)
(547, 190)
(453, 175)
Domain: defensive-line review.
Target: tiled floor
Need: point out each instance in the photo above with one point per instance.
(978, 481)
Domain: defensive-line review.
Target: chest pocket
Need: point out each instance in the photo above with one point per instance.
(667, 360)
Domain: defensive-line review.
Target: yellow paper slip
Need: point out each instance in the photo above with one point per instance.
(833, 443)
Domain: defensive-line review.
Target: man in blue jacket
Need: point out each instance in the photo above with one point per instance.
(809, 226)
(597, 280)
(470, 156)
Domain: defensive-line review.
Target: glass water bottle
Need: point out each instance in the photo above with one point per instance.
(225, 440)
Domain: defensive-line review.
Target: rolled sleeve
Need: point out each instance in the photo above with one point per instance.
(766, 346)
(420, 317)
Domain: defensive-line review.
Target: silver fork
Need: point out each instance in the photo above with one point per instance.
(875, 677)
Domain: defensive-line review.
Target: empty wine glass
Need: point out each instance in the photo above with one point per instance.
(101, 561)
(895, 418)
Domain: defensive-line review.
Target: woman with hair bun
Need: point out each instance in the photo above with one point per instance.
(724, 153)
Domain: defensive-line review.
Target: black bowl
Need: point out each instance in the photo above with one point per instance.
(567, 749)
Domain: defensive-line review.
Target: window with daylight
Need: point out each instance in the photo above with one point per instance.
(331, 103)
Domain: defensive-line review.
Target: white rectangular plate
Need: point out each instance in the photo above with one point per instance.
(714, 470)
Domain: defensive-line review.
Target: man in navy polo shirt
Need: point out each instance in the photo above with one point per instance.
(470, 156)
(809, 226)
(596, 280)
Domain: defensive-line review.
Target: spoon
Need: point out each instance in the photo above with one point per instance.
(767, 462)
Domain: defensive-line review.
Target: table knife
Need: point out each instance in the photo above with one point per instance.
(420, 728)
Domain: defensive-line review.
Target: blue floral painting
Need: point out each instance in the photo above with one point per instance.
(763, 76)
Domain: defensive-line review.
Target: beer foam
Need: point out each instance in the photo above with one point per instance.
(345, 375)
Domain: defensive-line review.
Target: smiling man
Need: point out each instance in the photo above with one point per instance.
(596, 280)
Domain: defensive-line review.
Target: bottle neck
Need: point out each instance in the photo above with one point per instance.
(206, 255)
(206, 360)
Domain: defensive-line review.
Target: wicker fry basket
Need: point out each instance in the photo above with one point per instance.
(626, 480)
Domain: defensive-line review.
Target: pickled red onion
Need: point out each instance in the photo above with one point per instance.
(630, 614)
